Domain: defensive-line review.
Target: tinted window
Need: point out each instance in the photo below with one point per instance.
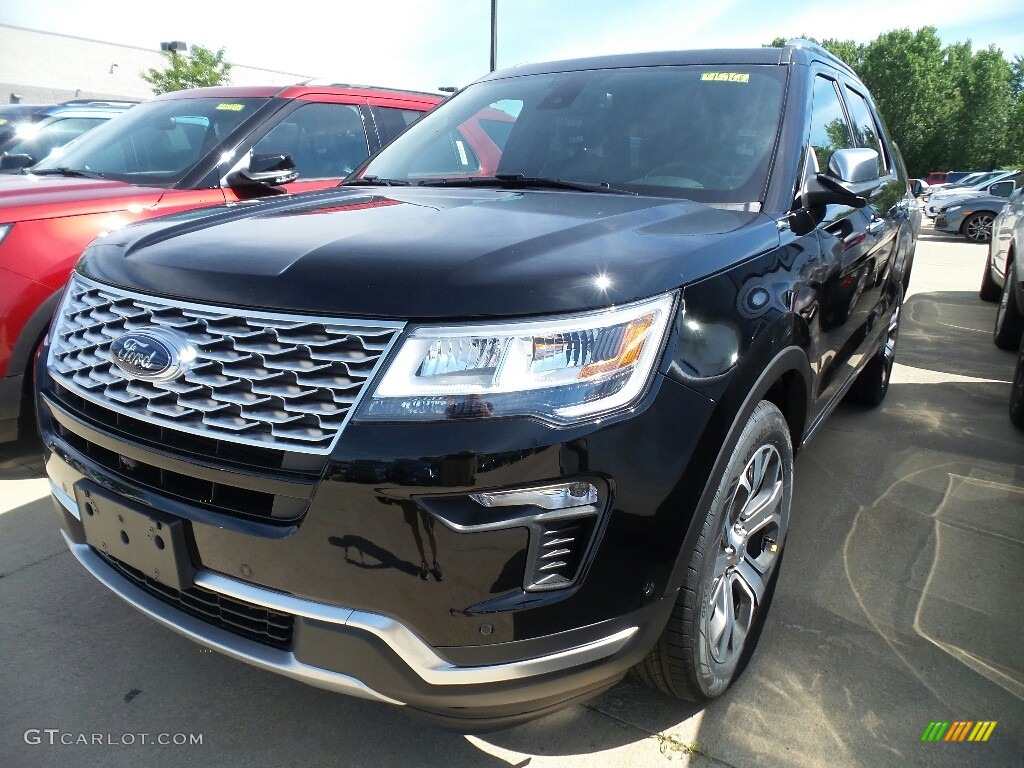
(156, 142)
(392, 121)
(325, 140)
(864, 125)
(829, 128)
(698, 132)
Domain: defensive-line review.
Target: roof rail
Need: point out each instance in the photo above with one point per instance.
(810, 45)
(321, 82)
(94, 102)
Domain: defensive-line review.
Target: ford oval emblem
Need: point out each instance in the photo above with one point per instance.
(145, 355)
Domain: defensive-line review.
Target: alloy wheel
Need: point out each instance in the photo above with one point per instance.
(889, 349)
(747, 553)
(978, 228)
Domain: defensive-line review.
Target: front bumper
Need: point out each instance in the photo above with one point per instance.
(330, 639)
(947, 223)
(474, 650)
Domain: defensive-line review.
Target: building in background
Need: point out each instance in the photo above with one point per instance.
(47, 68)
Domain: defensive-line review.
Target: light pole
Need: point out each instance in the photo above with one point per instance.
(494, 34)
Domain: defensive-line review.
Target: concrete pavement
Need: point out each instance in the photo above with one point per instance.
(899, 603)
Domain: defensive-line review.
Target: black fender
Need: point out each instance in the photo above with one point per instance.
(791, 359)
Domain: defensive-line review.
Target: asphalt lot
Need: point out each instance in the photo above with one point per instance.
(899, 604)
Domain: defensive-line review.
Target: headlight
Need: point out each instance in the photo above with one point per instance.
(559, 370)
(949, 209)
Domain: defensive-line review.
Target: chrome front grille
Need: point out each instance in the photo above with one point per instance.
(272, 380)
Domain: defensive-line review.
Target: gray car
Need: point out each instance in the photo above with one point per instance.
(972, 216)
(975, 184)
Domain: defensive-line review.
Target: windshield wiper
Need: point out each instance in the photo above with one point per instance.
(65, 171)
(519, 181)
(374, 181)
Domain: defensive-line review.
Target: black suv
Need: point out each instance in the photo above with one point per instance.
(511, 412)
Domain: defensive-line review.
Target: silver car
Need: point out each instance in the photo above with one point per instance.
(972, 215)
(1003, 279)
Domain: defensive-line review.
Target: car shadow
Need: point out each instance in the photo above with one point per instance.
(951, 332)
(22, 459)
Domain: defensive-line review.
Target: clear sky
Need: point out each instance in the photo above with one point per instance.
(424, 44)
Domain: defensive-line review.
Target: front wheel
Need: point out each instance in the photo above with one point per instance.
(718, 614)
(978, 227)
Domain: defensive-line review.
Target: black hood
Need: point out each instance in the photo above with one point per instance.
(421, 253)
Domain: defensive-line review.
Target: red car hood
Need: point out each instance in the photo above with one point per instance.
(26, 197)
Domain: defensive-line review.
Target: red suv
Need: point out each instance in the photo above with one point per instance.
(179, 151)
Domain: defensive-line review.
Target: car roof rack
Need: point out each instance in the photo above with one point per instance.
(810, 45)
(98, 102)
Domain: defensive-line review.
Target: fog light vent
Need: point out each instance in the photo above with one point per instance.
(557, 548)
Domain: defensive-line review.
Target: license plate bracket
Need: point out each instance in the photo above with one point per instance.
(148, 540)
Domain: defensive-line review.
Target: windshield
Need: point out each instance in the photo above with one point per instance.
(156, 142)
(705, 133)
(39, 140)
(966, 181)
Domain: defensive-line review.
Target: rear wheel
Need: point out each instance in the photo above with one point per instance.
(978, 227)
(731, 575)
(872, 383)
(1009, 322)
(1017, 391)
(989, 288)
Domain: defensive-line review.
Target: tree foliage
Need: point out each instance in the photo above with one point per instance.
(201, 67)
(947, 107)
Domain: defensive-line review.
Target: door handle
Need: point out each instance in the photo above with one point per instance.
(876, 225)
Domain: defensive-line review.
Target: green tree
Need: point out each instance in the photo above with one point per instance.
(201, 67)
(987, 103)
(904, 70)
(946, 107)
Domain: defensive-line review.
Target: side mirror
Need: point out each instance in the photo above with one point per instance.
(1001, 189)
(915, 188)
(14, 162)
(852, 175)
(854, 166)
(263, 171)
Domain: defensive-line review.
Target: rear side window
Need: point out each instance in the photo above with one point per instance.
(325, 140)
(392, 121)
(865, 127)
(829, 129)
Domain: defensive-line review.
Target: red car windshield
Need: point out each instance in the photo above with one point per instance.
(155, 143)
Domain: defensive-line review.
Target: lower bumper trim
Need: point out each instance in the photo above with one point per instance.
(281, 662)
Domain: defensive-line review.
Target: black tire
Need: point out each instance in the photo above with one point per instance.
(989, 290)
(1017, 390)
(872, 384)
(1009, 323)
(978, 227)
(732, 573)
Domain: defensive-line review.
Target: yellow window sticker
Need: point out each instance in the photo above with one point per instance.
(231, 107)
(2, 121)
(726, 77)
